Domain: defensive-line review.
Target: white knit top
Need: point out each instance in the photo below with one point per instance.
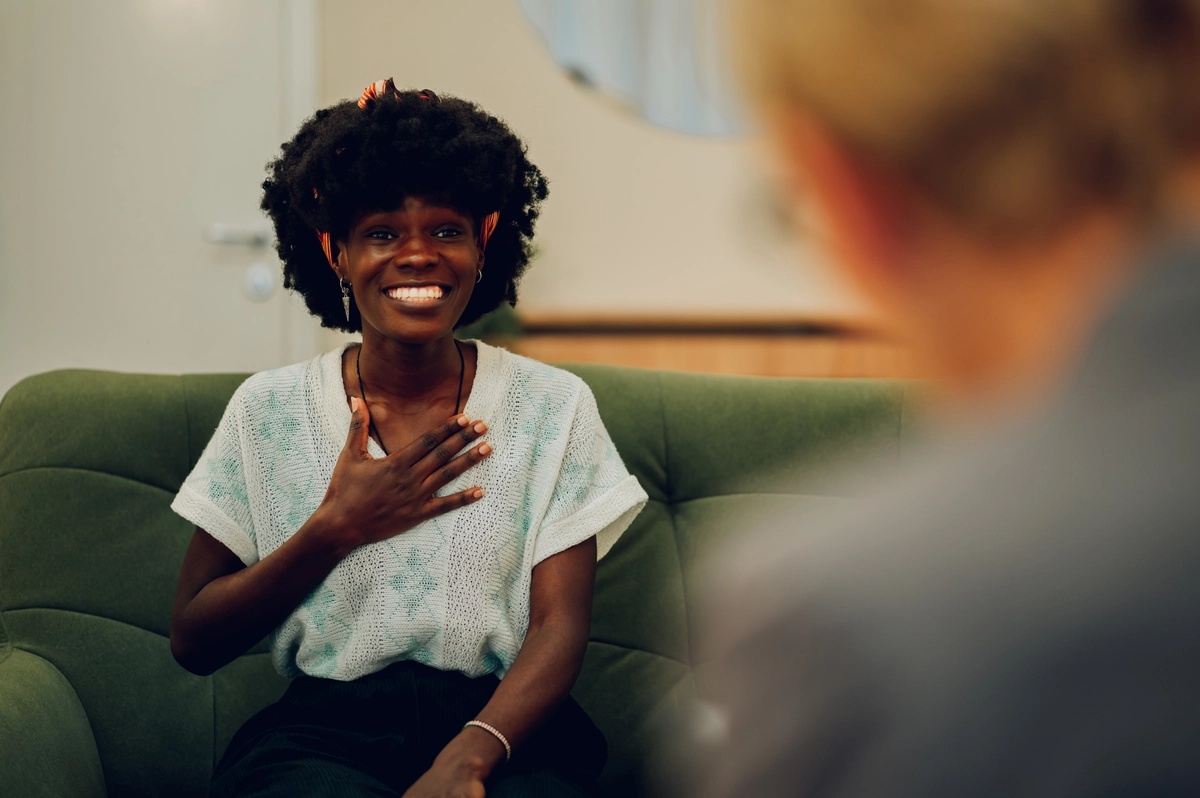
(453, 592)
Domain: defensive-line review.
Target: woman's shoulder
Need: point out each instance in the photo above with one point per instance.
(286, 384)
(526, 374)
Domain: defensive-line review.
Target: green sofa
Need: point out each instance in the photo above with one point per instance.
(91, 702)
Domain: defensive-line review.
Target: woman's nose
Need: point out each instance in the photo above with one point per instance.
(416, 253)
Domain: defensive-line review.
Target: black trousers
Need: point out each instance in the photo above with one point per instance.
(378, 734)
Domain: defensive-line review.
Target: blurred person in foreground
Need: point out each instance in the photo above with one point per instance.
(1015, 186)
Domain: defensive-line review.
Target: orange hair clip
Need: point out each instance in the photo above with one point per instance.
(487, 227)
(375, 91)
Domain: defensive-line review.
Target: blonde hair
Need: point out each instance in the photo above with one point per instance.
(1009, 113)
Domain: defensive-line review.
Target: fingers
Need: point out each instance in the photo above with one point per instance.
(457, 467)
(360, 429)
(438, 447)
(440, 505)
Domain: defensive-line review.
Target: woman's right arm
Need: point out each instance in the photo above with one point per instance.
(222, 607)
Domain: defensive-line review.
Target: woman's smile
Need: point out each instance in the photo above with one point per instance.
(419, 295)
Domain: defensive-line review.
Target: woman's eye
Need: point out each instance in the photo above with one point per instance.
(381, 235)
(448, 232)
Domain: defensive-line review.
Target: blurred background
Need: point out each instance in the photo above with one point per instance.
(135, 136)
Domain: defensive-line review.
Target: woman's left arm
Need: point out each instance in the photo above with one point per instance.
(560, 617)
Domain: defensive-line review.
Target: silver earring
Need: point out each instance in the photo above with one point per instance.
(346, 298)
(478, 275)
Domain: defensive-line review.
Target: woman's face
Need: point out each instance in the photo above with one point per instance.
(412, 269)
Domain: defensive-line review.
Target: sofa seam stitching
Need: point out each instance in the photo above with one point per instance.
(662, 410)
(638, 650)
(114, 620)
(27, 469)
(670, 503)
(187, 420)
(88, 615)
(212, 690)
(683, 590)
(797, 494)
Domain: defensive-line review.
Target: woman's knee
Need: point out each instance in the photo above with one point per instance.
(541, 784)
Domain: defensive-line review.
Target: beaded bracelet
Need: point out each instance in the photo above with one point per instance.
(503, 740)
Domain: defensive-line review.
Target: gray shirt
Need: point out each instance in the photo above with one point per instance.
(1019, 616)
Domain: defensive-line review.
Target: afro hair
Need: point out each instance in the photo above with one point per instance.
(347, 160)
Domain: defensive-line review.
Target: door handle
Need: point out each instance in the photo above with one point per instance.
(245, 235)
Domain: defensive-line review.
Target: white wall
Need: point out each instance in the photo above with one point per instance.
(639, 220)
(128, 127)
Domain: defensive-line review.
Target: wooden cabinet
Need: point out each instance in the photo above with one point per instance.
(767, 347)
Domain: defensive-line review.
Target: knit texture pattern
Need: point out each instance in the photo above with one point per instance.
(453, 592)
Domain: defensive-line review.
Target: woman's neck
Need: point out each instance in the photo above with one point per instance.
(407, 372)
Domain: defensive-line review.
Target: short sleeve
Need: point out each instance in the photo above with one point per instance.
(595, 495)
(214, 497)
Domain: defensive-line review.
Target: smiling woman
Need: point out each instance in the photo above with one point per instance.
(428, 590)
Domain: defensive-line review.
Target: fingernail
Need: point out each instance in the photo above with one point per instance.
(463, 421)
(480, 427)
(353, 404)
(479, 493)
(485, 450)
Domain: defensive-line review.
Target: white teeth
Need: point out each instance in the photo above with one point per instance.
(420, 293)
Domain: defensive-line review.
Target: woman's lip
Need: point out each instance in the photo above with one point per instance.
(414, 284)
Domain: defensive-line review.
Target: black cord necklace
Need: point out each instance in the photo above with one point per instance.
(362, 388)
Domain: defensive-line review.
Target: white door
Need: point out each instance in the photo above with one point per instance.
(129, 128)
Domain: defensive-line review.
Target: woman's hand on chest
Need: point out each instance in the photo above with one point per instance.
(371, 499)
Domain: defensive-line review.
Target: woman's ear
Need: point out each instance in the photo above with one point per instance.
(860, 209)
(341, 262)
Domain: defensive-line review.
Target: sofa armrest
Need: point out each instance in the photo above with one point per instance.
(46, 742)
